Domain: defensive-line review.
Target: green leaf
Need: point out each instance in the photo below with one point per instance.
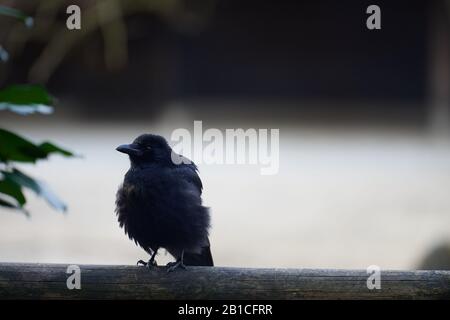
(14, 13)
(26, 109)
(8, 204)
(26, 99)
(15, 148)
(49, 148)
(40, 188)
(4, 55)
(13, 190)
(25, 94)
(5, 203)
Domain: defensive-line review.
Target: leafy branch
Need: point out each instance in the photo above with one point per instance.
(25, 99)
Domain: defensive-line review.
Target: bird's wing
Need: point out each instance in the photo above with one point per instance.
(189, 173)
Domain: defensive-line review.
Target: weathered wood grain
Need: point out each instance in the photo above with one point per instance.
(48, 281)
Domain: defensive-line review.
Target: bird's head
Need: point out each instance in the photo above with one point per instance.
(146, 149)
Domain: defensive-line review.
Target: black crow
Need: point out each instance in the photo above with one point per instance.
(159, 204)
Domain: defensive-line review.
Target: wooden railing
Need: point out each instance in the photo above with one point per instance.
(52, 281)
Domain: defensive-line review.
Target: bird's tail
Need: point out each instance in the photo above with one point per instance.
(202, 259)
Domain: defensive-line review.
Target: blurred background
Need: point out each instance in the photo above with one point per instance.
(364, 123)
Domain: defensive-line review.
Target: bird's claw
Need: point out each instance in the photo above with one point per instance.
(172, 266)
(141, 262)
(150, 264)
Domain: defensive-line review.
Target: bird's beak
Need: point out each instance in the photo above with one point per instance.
(130, 149)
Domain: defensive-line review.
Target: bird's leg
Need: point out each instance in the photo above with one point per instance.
(172, 266)
(151, 263)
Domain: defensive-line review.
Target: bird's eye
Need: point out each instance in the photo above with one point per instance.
(148, 148)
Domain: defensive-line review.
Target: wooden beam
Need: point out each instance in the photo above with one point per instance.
(48, 281)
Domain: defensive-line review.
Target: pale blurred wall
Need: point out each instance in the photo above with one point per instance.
(345, 198)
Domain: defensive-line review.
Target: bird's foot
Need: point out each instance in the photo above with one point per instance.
(172, 266)
(150, 264)
(141, 262)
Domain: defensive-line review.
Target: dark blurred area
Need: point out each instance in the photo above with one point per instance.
(319, 52)
(437, 259)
